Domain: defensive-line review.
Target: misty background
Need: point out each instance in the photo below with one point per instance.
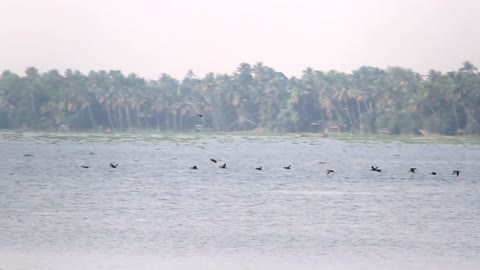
(152, 37)
(398, 67)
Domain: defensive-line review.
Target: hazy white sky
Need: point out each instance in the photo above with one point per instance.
(151, 37)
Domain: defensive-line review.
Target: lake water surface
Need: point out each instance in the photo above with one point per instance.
(153, 212)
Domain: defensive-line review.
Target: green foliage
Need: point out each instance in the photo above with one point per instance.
(3, 120)
(254, 96)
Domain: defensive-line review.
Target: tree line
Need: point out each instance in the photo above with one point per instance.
(368, 100)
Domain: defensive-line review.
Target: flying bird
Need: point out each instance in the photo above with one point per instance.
(287, 167)
(330, 171)
(258, 168)
(200, 115)
(213, 160)
(194, 167)
(433, 173)
(376, 169)
(412, 170)
(224, 166)
(85, 166)
(113, 165)
(457, 172)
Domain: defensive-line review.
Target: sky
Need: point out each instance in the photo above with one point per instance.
(151, 37)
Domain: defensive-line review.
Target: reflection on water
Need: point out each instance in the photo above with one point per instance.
(153, 212)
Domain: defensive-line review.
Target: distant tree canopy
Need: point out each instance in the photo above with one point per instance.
(365, 101)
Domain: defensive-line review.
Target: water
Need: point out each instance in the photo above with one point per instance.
(153, 212)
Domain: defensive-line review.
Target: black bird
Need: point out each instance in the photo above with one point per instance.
(113, 165)
(330, 171)
(258, 168)
(194, 167)
(85, 166)
(200, 115)
(28, 155)
(457, 172)
(287, 167)
(224, 166)
(91, 153)
(376, 169)
(412, 170)
(433, 173)
(213, 160)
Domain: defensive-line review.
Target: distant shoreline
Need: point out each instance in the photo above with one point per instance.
(151, 135)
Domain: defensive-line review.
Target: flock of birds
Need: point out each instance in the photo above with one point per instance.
(414, 170)
(329, 171)
(224, 165)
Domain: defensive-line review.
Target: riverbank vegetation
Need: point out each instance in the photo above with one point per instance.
(254, 97)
